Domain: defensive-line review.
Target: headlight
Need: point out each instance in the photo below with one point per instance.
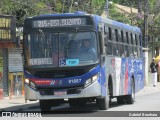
(26, 80)
(91, 80)
(30, 83)
(88, 82)
(94, 78)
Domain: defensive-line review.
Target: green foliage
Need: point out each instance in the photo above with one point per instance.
(98, 6)
(27, 8)
(116, 15)
(154, 24)
(22, 9)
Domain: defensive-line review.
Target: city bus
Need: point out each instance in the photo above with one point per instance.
(81, 58)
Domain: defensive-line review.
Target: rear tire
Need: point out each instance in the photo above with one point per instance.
(131, 98)
(45, 105)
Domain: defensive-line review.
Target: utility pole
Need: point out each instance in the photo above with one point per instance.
(146, 13)
(140, 7)
(145, 36)
(107, 10)
(63, 6)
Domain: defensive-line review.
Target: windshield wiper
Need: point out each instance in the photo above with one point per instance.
(71, 39)
(43, 37)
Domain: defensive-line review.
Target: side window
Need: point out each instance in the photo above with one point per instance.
(127, 37)
(116, 35)
(130, 51)
(110, 33)
(122, 36)
(133, 39)
(113, 35)
(122, 50)
(126, 50)
(109, 48)
(115, 49)
(131, 36)
(135, 52)
(136, 40)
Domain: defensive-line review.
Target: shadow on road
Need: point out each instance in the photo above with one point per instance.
(62, 108)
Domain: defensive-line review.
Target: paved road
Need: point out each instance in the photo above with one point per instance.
(147, 99)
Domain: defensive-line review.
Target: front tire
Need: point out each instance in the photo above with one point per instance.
(103, 103)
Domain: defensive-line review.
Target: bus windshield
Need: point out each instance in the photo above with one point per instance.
(61, 49)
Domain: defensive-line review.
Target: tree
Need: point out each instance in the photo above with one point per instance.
(154, 26)
(23, 8)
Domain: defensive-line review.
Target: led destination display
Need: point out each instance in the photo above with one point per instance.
(59, 22)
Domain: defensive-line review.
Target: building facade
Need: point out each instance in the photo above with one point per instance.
(11, 71)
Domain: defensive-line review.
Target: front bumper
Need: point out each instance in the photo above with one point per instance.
(93, 90)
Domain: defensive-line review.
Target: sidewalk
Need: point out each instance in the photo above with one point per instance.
(149, 89)
(15, 101)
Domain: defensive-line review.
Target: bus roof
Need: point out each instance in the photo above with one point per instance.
(78, 13)
(117, 24)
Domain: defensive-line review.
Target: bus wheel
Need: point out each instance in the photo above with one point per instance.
(131, 98)
(45, 105)
(103, 103)
(120, 100)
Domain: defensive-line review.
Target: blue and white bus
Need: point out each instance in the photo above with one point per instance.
(58, 66)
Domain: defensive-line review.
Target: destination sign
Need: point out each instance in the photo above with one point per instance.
(59, 22)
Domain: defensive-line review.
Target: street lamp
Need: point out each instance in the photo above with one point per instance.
(76, 5)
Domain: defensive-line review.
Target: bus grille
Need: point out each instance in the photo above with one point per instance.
(59, 73)
(51, 91)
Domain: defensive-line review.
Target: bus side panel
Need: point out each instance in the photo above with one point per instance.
(134, 68)
(124, 76)
(131, 68)
(103, 81)
(130, 74)
(117, 75)
(122, 70)
(139, 74)
(113, 69)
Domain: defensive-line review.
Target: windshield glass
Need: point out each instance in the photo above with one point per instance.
(61, 49)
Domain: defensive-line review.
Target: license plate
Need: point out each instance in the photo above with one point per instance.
(60, 93)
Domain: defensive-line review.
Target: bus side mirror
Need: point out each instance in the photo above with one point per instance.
(18, 41)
